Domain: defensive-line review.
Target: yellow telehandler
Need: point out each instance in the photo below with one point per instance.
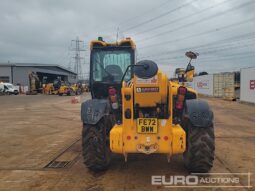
(136, 109)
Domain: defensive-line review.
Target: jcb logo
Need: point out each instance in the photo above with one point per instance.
(252, 84)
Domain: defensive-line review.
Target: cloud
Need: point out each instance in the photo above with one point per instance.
(41, 31)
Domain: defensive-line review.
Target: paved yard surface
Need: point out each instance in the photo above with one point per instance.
(40, 148)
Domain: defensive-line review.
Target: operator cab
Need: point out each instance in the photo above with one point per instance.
(108, 62)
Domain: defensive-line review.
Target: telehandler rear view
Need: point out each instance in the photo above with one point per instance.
(136, 109)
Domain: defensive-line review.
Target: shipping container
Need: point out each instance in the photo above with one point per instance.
(224, 85)
(220, 85)
(247, 92)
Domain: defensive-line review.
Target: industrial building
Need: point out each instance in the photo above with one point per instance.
(18, 73)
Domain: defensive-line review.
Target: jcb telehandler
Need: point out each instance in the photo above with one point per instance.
(136, 109)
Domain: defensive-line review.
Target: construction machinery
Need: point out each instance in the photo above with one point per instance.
(60, 88)
(179, 75)
(52, 88)
(182, 75)
(83, 85)
(136, 109)
(68, 89)
(48, 89)
(34, 84)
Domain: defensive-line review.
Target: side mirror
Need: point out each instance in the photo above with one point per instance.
(147, 69)
(143, 69)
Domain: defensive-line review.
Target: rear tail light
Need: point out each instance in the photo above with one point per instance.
(180, 98)
(113, 97)
(182, 90)
(112, 91)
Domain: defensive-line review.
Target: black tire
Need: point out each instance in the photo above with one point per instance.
(95, 146)
(60, 94)
(200, 147)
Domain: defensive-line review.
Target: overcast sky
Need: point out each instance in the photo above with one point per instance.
(222, 31)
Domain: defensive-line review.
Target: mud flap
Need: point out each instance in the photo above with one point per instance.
(93, 110)
(198, 113)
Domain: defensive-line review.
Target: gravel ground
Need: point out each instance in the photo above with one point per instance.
(38, 130)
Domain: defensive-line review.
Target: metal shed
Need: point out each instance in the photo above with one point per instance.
(17, 73)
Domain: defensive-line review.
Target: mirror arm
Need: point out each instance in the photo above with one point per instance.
(130, 66)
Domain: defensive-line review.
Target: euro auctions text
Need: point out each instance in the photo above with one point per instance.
(203, 180)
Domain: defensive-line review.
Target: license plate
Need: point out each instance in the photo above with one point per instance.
(147, 125)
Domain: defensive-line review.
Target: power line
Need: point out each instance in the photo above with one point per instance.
(231, 55)
(182, 18)
(220, 62)
(160, 16)
(145, 13)
(238, 37)
(196, 22)
(109, 28)
(77, 58)
(252, 43)
(204, 33)
(208, 49)
(206, 53)
(230, 58)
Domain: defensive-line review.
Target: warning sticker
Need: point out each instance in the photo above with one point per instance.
(153, 80)
(147, 89)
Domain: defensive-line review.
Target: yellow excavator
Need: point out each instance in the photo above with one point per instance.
(34, 84)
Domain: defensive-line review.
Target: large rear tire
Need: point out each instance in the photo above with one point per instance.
(95, 145)
(200, 147)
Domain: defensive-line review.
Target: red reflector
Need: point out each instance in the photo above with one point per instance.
(182, 90)
(179, 105)
(112, 91)
(165, 138)
(128, 137)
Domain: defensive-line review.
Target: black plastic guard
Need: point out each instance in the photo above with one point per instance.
(93, 110)
(198, 112)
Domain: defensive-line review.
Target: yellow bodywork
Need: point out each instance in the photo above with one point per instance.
(49, 89)
(64, 89)
(170, 139)
(123, 42)
(190, 75)
(68, 90)
(75, 88)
